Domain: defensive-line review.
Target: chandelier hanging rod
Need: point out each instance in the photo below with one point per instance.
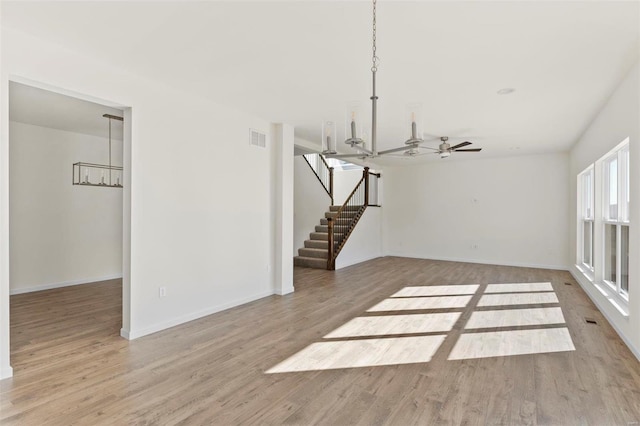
(374, 98)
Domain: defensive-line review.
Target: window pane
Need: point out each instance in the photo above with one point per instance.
(624, 259)
(587, 195)
(625, 180)
(610, 252)
(612, 189)
(587, 239)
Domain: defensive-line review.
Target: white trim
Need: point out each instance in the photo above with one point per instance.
(64, 284)
(125, 333)
(482, 261)
(355, 261)
(585, 286)
(6, 372)
(283, 291)
(134, 334)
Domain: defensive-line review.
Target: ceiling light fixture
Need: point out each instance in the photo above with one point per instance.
(356, 137)
(506, 91)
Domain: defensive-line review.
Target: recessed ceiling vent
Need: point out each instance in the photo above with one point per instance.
(257, 139)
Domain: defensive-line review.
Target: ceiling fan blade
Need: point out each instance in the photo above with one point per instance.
(339, 156)
(402, 148)
(468, 150)
(460, 145)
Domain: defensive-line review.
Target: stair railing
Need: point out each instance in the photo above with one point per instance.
(323, 172)
(340, 225)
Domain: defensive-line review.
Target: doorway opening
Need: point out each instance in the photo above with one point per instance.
(68, 225)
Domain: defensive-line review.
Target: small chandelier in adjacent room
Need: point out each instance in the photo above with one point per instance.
(105, 175)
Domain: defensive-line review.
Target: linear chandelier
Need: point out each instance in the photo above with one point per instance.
(104, 175)
(357, 140)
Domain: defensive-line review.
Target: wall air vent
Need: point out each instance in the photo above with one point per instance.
(257, 139)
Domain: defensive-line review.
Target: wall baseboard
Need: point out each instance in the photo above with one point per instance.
(355, 261)
(482, 262)
(63, 284)
(284, 291)
(6, 372)
(588, 287)
(134, 334)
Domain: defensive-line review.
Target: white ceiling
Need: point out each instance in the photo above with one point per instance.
(301, 62)
(40, 107)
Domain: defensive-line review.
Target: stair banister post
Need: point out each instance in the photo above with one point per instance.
(366, 185)
(331, 184)
(330, 260)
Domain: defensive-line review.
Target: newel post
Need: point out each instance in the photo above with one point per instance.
(331, 184)
(366, 185)
(330, 261)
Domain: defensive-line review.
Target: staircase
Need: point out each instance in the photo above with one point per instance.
(324, 245)
(315, 253)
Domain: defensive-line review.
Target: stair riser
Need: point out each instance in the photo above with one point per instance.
(310, 263)
(343, 214)
(336, 208)
(316, 244)
(325, 228)
(322, 236)
(317, 253)
(335, 222)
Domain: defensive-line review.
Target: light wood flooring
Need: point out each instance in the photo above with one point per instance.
(368, 344)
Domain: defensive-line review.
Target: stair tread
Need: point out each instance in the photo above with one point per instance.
(312, 259)
(318, 253)
(316, 244)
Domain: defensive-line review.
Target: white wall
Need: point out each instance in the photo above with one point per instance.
(365, 242)
(60, 234)
(343, 183)
(515, 210)
(310, 202)
(201, 196)
(619, 119)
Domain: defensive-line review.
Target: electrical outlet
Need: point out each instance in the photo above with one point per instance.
(474, 246)
(162, 291)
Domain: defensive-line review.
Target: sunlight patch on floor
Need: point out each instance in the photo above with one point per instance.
(408, 303)
(377, 340)
(437, 290)
(515, 317)
(517, 299)
(361, 353)
(518, 287)
(513, 342)
(396, 324)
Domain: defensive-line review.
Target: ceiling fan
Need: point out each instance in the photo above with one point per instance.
(445, 149)
(413, 148)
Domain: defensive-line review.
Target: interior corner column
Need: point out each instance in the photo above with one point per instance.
(5, 366)
(283, 140)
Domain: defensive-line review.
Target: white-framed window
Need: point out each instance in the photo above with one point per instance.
(602, 239)
(586, 219)
(615, 220)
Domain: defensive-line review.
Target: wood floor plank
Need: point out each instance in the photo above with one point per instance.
(71, 366)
